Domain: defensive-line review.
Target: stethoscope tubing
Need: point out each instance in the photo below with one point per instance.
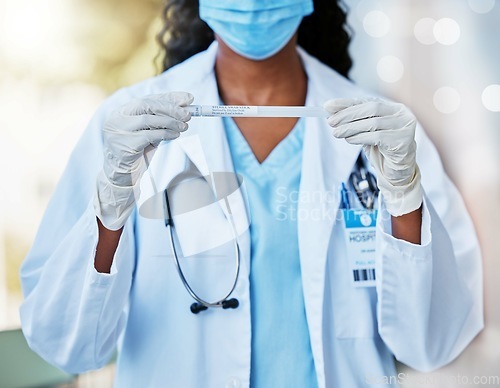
(233, 303)
(237, 253)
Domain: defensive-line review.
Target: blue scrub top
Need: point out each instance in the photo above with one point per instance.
(281, 349)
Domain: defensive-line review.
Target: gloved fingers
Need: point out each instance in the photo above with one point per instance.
(365, 139)
(140, 142)
(168, 104)
(386, 140)
(156, 136)
(368, 125)
(144, 122)
(364, 110)
(159, 122)
(178, 98)
(338, 104)
(175, 98)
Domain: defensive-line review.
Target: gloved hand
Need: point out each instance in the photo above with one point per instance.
(387, 132)
(131, 133)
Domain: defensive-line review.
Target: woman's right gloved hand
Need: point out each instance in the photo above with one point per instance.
(131, 132)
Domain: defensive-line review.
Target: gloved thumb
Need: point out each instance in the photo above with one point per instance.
(178, 98)
(336, 105)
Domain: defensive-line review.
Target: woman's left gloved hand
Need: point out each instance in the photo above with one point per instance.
(386, 130)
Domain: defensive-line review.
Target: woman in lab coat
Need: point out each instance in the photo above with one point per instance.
(100, 272)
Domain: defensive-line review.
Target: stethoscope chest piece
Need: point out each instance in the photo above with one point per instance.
(232, 303)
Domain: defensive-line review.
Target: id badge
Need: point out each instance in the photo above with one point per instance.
(359, 233)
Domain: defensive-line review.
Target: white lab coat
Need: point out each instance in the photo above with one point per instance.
(425, 309)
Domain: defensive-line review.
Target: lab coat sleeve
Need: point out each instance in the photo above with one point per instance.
(72, 315)
(430, 296)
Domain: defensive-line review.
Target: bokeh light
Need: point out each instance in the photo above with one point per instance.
(35, 37)
(364, 6)
(446, 31)
(390, 69)
(481, 6)
(446, 100)
(491, 98)
(376, 24)
(424, 31)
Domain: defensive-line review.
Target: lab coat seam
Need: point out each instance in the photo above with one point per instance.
(411, 257)
(404, 248)
(97, 325)
(385, 299)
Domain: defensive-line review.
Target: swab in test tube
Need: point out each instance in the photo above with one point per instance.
(255, 111)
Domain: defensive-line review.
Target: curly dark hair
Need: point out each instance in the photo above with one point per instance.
(324, 34)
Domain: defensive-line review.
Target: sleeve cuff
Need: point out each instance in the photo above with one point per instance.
(404, 247)
(102, 278)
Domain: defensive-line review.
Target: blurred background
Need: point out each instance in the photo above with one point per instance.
(60, 58)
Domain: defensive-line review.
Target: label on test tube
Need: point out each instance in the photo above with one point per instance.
(226, 110)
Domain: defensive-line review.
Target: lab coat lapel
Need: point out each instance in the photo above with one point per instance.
(327, 162)
(205, 144)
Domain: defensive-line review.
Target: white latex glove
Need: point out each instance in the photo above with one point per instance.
(387, 132)
(131, 133)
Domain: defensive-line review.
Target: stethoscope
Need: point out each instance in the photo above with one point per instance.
(200, 305)
(364, 183)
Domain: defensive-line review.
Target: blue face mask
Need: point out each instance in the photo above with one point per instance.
(255, 29)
